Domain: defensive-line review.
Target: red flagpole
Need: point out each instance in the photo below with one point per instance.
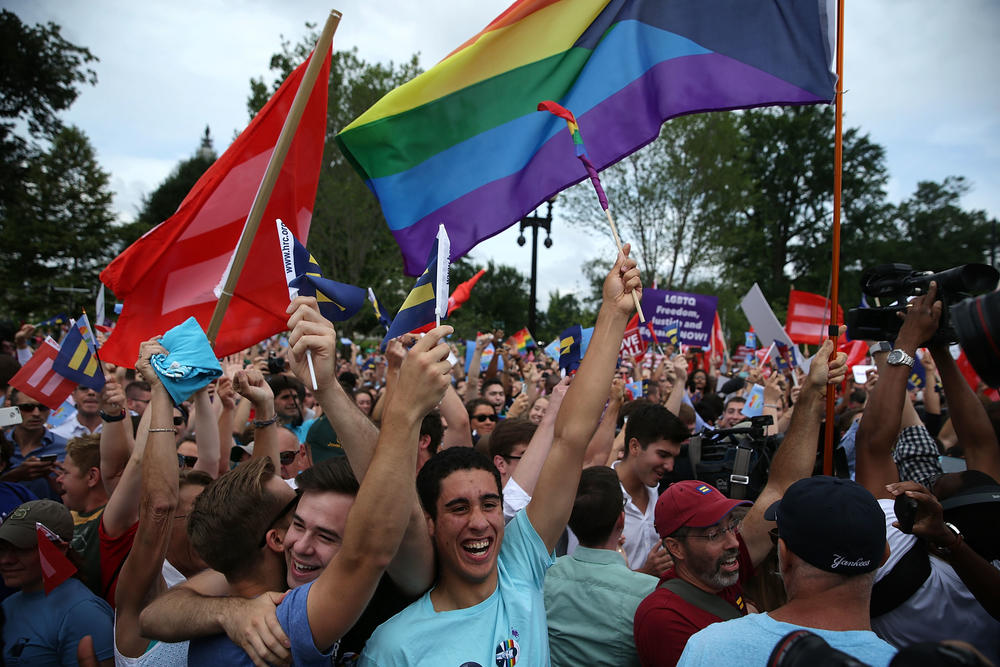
(838, 159)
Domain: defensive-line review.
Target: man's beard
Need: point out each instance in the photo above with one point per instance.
(712, 574)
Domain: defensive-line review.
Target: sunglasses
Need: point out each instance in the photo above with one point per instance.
(178, 421)
(284, 510)
(31, 407)
(186, 461)
(286, 458)
(482, 418)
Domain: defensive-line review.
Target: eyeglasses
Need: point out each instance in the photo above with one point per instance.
(186, 461)
(773, 534)
(482, 418)
(286, 458)
(31, 407)
(716, 534)
(284, 511)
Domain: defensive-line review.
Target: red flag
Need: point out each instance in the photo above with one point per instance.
(39, 380)
(462, 292)
(717, 347)
(56, 567)
(809, 317)
(171, 272)
(856, 351)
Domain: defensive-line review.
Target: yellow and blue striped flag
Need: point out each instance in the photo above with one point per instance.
(337, 301)
(428, 299)
(570, 353)
(673, 336)
(77, 359)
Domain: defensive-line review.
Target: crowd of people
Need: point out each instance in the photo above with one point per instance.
(404, 508)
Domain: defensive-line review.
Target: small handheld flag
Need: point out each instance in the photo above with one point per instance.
(336, 301)
(39, 380)
(570, 342)
(581, 152)
(420, 308)
(382, 319)
(522, 340)
(53, 321)
(754, 406)
(56, 567)
(673, 336)
(751, 340)
(77, 359)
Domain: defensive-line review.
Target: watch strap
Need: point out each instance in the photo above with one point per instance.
(113, 418)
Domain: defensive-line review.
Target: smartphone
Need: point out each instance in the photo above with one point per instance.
(905, 509)
(48, 458)
(9, 416)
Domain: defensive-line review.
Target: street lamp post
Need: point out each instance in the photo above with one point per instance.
(536, 222)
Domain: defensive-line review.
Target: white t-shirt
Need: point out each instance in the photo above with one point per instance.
(640, 534)
(943, 608)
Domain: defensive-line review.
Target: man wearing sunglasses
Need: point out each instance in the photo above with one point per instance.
(36, 449)
(714, 553)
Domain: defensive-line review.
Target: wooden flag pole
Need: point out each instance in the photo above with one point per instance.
(838, 158)
(618, 242)
(271, 174)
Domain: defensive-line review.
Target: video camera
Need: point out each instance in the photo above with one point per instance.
(971, 322)
(734, 460)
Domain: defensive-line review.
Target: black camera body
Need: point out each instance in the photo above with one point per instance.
(734, 460)
(892, 284)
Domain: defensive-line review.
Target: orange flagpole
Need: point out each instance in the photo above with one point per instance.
(838, 159)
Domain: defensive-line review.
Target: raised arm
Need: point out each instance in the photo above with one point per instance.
(676, 397)
(472, 379)
(577, 420)
(251, 385)
(413, 568)
(122, 509)
(206, 429)
(972, 424)
(527, 472)
(879, 428)
(116, 436)
(226, 396)
(140, 580)
(797, 454)
(381, 512)
(453, 410)
(603, 440)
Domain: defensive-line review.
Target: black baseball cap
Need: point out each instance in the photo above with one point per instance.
(831, 523)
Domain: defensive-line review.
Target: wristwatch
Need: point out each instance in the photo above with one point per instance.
(899, 358)
(113, 418)
(947, 552)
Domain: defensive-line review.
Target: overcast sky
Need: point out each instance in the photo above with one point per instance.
(917, 74)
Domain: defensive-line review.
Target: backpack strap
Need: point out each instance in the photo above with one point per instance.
(704, 600)
(905, 578)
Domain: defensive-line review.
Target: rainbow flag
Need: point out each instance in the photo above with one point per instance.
(463, 143)
(522, 340)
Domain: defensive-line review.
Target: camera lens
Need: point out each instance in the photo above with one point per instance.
(977, 324)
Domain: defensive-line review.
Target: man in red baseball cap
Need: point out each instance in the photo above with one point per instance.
(714, 552)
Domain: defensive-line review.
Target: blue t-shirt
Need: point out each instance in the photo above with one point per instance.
(42, 629)
(52, 444)
(754, 636)
(294, 619)
(507, 628)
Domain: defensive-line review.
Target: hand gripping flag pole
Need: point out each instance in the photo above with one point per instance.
(581, 152)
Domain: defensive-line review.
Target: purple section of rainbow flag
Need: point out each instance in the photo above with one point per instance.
(488, 210)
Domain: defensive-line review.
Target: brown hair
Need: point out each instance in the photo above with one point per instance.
(85, 450)
(510, 433)
(231, 515)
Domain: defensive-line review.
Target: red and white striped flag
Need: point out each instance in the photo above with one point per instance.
(809, 317)
(718, 344)
(40, 381)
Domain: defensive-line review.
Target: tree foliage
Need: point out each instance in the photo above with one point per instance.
(55, 205)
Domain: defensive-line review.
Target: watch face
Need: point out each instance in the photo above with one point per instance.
(895, 357)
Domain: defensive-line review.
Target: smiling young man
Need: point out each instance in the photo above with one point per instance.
(487, 606)
(653, 437)
(713, 553)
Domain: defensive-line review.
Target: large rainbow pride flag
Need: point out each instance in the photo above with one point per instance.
(463, 144)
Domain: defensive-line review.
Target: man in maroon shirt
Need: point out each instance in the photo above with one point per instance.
(713, 553)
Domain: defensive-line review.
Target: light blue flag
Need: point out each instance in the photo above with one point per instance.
(754, 406)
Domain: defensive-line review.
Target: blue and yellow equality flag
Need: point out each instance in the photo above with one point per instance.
(382, 319)
(428, 300)
(570, 348)
(77, 358)
(337, 301)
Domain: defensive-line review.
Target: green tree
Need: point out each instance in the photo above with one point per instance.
(163, 202)
(780, 234)
(498, 301)
(564, 310)
(348, 236)
(55, 206)
(939, 234)
(61, 234)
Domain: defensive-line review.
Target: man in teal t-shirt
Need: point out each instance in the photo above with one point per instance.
(487, 606)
